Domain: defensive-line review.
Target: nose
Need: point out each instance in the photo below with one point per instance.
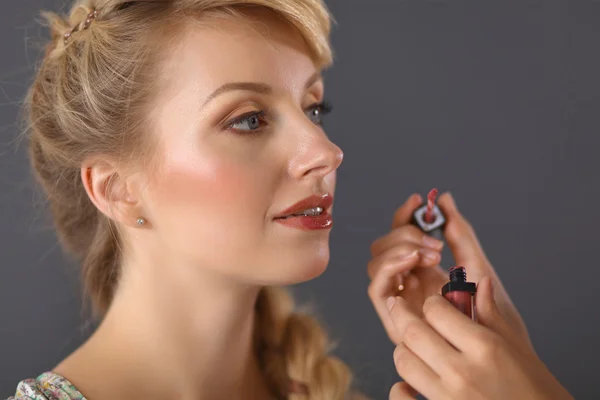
(315, 155)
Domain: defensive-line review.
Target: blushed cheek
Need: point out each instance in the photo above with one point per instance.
(203, 188)
(211, 212)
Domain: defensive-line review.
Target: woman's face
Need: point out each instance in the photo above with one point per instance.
(240, 142)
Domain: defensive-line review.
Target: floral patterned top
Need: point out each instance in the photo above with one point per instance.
(47, 386)
(51, 386)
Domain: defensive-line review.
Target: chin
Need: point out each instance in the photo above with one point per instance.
(300, 268)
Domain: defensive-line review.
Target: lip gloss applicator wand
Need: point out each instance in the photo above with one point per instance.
(429, 218)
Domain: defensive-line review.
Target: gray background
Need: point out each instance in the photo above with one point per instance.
(497, 101)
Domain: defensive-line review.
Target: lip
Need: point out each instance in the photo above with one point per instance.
(320, 222)
(324, 201)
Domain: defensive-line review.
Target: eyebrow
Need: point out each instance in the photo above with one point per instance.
(261, 88)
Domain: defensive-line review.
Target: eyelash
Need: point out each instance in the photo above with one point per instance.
(324, 108)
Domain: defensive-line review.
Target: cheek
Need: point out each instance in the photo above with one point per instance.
(206, 188)
(210, 209)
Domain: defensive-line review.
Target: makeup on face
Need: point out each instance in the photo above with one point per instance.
(459, 292)
(429, 218)
(311, 213)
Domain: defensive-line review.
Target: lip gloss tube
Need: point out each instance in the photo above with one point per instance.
(459, 292)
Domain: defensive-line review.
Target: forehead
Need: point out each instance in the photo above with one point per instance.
(258, 47)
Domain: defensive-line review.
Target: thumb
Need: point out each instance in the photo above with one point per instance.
(488, 313)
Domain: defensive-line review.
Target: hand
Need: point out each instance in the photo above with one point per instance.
(406, 256)
(400, 258)
(446, 356)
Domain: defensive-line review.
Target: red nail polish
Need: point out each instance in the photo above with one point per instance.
(429, 218)
(459, 292)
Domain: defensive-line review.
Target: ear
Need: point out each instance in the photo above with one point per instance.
(111, 191)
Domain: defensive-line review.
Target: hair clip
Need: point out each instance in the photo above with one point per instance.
(81, 26)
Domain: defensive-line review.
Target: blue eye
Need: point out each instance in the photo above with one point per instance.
(248, 122)
(317, 111)
(253, 122)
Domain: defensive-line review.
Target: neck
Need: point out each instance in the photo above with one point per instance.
(175, 336)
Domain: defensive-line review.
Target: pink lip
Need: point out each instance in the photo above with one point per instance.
(324, 201)
(322, 221)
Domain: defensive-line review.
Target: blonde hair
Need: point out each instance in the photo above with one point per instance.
(89, 97)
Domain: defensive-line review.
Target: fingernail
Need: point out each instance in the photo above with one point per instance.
(391, 301)
(434, 243)
(430, 254)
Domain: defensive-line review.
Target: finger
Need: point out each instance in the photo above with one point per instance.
(406, 233)
(488, 313)
(392, 256)
(451, 324)
(417, 374)
(409, 287)
(466, 249)
(381, 285)
(400, 315)
(386, 273)
(403, 215)
(430, 347)
(490, 316)
(403, 391)
(460, 236)
(417, 285)
(426, 258)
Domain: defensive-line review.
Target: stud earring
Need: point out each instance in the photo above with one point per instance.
(141, 221)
